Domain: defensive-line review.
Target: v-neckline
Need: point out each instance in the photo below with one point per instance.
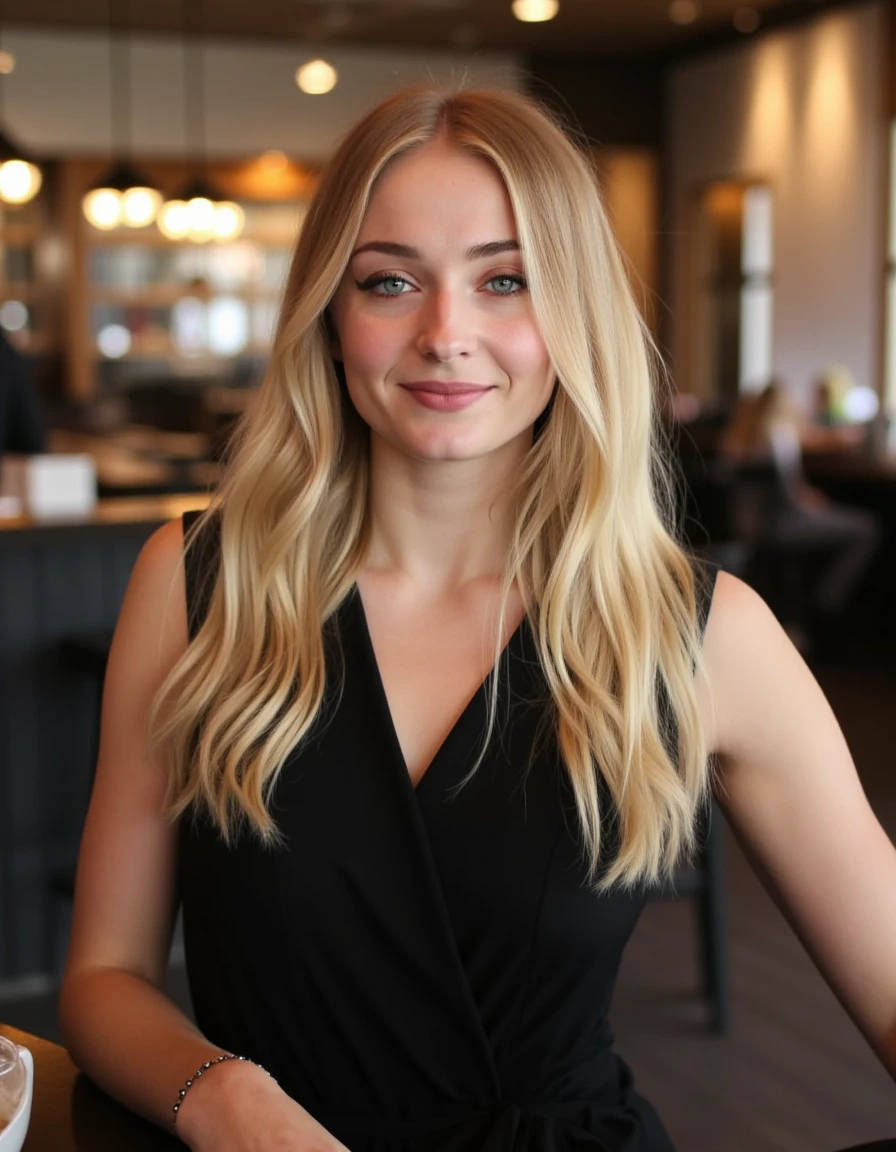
(386, 709)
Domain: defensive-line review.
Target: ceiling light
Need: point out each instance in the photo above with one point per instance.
(683, 11)
(20, 181)
(745, 19)
(121, 196)
(173, 221)
(102, 208)
(535, 11)
(200, 218)
(317, 77)
(140, 206)
(229, 220)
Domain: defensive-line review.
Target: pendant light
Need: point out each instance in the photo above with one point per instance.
(20, 177)
(198, 213)
(123, 195)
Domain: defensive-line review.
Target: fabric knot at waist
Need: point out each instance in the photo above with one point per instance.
(507, 1127)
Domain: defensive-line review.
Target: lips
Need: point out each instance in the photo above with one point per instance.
(445, 395)
(445, 387)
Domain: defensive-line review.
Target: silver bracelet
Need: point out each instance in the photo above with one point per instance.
(204, 1068)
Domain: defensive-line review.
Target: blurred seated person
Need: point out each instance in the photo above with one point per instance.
(21, 422)
(794, 515)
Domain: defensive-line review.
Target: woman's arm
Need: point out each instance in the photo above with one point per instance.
(790, 790)
(119, 1026)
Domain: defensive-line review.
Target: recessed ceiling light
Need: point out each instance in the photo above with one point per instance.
(745, 19)
(683, 11)
(317, 77)
(535, 11)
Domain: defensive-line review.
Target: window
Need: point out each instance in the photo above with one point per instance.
(732, 293)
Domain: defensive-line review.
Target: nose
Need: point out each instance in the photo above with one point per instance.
(446, 329)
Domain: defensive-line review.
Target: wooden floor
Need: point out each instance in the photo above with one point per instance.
(793, 1075)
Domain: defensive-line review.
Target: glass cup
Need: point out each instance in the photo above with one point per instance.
(13, 1079)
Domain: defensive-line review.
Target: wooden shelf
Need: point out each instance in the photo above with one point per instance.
(163, 295)
(170, 355)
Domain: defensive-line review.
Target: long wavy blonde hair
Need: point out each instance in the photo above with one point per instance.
(609, 594)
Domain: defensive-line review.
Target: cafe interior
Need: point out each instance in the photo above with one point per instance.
(156, 160)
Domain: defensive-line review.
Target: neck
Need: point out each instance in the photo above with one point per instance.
(441, 524)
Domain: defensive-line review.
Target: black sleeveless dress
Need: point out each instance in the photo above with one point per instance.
(424, 969)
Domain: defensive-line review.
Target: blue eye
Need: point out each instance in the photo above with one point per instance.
(382, 285)
(507, 285)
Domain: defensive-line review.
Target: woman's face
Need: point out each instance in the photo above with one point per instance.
(434, 325)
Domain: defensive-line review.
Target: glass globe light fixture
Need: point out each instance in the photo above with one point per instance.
(173, 220)
(140, 206)
(102, 208)
(229, 220)
(200, 218)
(121, 196)
(20, 181)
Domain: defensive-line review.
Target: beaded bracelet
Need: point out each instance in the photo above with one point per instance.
(204, 1068)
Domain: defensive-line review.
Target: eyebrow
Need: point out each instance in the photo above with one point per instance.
(406, 252)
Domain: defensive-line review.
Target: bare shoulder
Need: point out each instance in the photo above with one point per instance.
(154, 613)
(753, 673)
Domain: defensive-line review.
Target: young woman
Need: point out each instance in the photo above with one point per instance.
(433, 697)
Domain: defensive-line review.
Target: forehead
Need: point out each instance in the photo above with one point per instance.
(436, 190)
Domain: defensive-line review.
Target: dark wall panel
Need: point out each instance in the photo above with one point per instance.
(54, 582)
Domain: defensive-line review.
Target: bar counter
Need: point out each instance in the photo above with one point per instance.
(133, 510)
(69, 1114)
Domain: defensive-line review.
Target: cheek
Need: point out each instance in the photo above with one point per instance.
(525, 352)
(368, 348)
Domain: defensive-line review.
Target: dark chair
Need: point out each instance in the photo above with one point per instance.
(704, 882)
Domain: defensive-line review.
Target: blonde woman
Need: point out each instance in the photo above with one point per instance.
(430, 703)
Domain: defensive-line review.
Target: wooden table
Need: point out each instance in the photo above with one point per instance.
(70, 1114)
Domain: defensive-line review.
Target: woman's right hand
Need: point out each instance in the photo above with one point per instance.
(239, 1108)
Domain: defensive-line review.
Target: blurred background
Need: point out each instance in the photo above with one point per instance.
(155, 163)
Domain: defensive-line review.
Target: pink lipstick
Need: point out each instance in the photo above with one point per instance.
(445, 396)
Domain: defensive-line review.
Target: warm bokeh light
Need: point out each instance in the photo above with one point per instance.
(745, 19)
(535, 11)
(317, 77)
(274, 160)
(140, 206)
(770, 135)
(7, 62)
(102, 207)
(20, 181)
(229, 220)
(683, 11)
(200, 219)
(173, 219)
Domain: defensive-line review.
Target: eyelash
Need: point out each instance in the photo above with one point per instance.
(380, 278)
